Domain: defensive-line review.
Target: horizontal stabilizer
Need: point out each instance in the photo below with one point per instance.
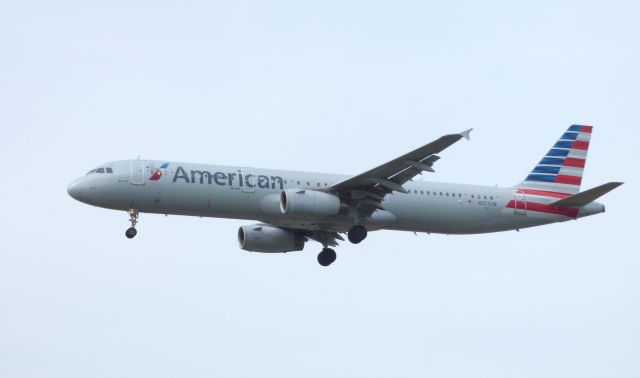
(588, 196)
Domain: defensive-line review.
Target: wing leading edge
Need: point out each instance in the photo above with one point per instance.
(368, 189)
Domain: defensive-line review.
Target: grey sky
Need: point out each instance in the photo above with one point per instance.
(325, 86)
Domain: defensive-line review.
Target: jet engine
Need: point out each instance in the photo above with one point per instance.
(269, 239)
(309, 203)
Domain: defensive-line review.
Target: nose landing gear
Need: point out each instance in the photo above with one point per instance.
(133, 218)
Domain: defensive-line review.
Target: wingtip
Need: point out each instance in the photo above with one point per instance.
(466, 134)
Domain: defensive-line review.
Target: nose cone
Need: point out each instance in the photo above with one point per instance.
(75, 189)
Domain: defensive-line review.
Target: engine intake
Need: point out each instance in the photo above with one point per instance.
(269, 239)
(309, 203)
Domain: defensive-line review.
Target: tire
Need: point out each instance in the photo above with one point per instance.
(327, 257)
(131, 232)
(357, 234)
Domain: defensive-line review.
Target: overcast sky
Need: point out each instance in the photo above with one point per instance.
(325, 86)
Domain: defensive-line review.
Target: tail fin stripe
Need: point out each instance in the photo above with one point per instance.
(571, 171)
(581, 128)
(585, 137)
(541, 178)
(545, 193)
(553, 161)
(571, 144)
(547, 169)
(566, 179)
(580, 145)
(544, 208)
(564, 144)
(581, 154)
(555, 152)
(570, 136)
(572, 162)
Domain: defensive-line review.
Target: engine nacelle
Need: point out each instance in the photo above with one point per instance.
(309, 203)
(269, 239)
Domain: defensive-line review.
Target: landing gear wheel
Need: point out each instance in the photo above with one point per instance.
(326, 257)
(131, 232)
(357, 234)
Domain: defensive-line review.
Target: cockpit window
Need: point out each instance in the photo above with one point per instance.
(100, 170)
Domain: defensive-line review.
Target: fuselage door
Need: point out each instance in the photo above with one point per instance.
(137, 172)
(520, 207)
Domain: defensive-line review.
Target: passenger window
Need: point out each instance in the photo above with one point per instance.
(109, 170)
(491, 198)
(472, 196)
(422, 192)
(100, 170)
(485, 197)
(308, 183)
(298, 182)
(447, 194)
(440, 193)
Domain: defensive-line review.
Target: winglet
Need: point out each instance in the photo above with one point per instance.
(466, 133)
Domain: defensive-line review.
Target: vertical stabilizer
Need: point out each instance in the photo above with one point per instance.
(561, 169)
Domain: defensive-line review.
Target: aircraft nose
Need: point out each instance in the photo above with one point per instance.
(75, 189)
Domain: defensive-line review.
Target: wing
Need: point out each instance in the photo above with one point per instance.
(367, 190)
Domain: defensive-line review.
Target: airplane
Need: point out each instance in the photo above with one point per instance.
(294, 207)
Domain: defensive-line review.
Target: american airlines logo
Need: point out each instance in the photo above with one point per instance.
(158, 172)
(237, 179)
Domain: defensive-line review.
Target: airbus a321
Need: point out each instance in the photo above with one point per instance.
(293, 207)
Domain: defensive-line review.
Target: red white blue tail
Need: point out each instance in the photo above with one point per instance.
(561, 169)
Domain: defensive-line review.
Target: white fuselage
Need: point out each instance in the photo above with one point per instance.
(254, 194)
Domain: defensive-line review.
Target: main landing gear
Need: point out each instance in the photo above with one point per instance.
(133, 218)
(327, 256)
(357, 234)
